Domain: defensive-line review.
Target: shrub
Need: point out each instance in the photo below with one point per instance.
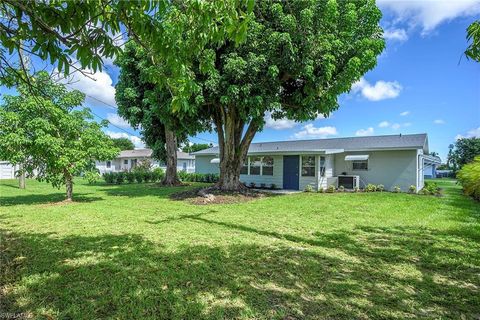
(469, 177)
(397, 189)
(380, 188)
(321, 190)
(341, 189)
(120, 177)
(147, 176)
(252, 184)
(430, 188)
(412, 189)
(370, 188)
(356, 189)
(262, 185)
(130, 177)
(273, 186)
(183, 176)
(138, 176)
(330, 189)
(157, 174)
(91, 176)
(109, 177)
(308, 188)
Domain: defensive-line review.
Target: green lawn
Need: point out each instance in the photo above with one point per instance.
(131, 252)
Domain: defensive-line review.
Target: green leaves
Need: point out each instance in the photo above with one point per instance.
(473, 35)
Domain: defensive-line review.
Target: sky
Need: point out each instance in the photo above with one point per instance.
(422, 84)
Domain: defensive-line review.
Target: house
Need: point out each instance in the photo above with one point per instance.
(7, 170)
(128, 159)
(392, 160)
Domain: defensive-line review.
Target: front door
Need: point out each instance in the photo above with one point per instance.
(290, 172)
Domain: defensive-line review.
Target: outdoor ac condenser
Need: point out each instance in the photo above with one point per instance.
(349, 182)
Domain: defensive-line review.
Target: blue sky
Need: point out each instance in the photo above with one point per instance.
(422, 83)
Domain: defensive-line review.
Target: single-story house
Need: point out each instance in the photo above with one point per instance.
(392, 160)
(128, 159)
(7, 170)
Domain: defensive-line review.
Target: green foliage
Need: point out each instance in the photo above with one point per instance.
(130, 176)
(46, 131)
(198, 177)
(120, 177)
(139, 176)
(91, 176)
(469, 177)
(463, 152)
(252, 185)
(308, 188)
(473, 35)
(412, 189)
(341, 189)
(370, 188)
(123, 143)
(397, 189)
(273, 186)
(356, 189)
(430, 188)
(194, 147)
(330, 189)
(321, 190)
(109, 177)
(380, 188)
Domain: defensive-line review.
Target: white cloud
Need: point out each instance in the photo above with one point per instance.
(98, 89)
(396, 126)
(118, 121)
(428, 14)
(136, 140)
(379, 91)
(384, 124)
(405, 113)
(364, 132)
(470, 134)
(395, 34)
(439, 121)
(279, 124)
(310, 131)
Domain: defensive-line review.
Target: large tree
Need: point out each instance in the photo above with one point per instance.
(297, 58)
(123, 143)
(463, 152)
(46, 131)
(146, 104)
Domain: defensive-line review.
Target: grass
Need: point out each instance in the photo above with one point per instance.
(131, 252)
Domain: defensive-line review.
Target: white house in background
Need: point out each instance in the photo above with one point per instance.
(128, 159)
(430, 168)
(7, 170)
(394, 160)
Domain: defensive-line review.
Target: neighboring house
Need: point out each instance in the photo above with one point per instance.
(394, 160)
(128, 159)
(7, 170)
(430, 168)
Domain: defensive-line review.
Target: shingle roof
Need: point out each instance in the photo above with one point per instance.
(406, 141)
(148, 153)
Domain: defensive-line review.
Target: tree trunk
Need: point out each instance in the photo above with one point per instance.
(21, 177)
(171, 178)
(233, 148)
(69, 186)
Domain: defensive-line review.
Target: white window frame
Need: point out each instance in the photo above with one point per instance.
(362, 161)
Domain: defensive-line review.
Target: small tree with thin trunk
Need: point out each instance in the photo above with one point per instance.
(46, 130)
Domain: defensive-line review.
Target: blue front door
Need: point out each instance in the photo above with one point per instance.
(290, 172)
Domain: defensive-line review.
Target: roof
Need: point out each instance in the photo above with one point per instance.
(400, 142)
(147, 153)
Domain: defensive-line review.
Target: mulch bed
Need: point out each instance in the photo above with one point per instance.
(212, 196)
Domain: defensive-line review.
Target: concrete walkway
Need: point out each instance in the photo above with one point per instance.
(278, 191)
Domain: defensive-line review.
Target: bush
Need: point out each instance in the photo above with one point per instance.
(370, 188)
(262, 185)
(308, 188)
(356, 189)
(380, 188)
(412, 189)
(252, 184)
(469, 177)
(138, 176)
(91, 176)
(130, 176)
(341, 189)
(157, 174)
(147, 176)
(397, 189)
(197, 177)
(330, 189)
(120, 177)
(321, 190)
(430, 188)
(273, 186)
(109, 177)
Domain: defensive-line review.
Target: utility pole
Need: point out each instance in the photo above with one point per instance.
(25, 61)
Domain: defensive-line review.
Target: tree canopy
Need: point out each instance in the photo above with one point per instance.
(463, 152)
(297, 58)
(194, 147)
(123, 143)
(50, 135)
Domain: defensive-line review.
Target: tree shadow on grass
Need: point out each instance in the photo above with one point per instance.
(365, 273)
(51, 198)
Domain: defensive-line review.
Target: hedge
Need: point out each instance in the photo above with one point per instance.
(469, 177)
(156, 175)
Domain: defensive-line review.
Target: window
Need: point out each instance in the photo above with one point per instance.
(244, 169)
(255, 163)
(109, 164)
(125, 161)
(360, 165)
(267, 166)
(308, 166)
(322, 166)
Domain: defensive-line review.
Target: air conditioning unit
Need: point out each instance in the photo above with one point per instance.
(349, 182)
